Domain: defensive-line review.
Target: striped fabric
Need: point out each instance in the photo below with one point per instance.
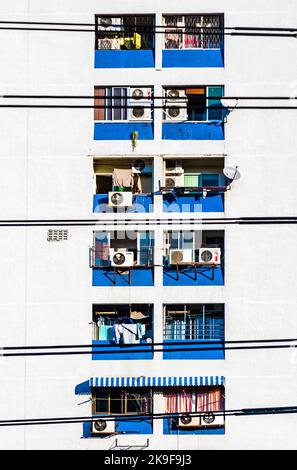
(156, 381)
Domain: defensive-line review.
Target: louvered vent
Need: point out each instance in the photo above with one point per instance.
(57, 235)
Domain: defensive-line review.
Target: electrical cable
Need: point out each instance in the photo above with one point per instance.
(149, 222)
(153, 416)
(147, 349)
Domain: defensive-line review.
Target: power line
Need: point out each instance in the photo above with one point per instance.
(153, 416)
(149, 348)
(241, 33)
(149, 222)
(64, 346)
(123, 106)
(220, 28)
(173, 98)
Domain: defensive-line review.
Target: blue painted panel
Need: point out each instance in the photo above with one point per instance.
(170, 427)
(110, 59)
(193, 131)
(123, 130)
(193, 58)
(121, 353)
(131, 426)
(171, 350)
(140, 277)
(193, 203)
(142, 203)
(206, 276)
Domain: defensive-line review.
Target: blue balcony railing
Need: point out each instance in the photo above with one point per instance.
(194, 339)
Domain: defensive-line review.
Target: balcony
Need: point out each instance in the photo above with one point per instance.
(194, 332)
(122, 332)
(192, 405)
(130, 179)
(193, 258)
(125, 41)
(123, 113)
(193, 113)
(193, 41)
(194, 185)
(198, 409)
(122, 259)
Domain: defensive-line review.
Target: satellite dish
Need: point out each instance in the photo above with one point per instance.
(229, 103)
(231, 173)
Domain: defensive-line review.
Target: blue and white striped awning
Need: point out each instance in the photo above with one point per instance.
(156, 381)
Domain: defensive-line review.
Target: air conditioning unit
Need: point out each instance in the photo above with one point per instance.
(174, 167)
(120, 259)
(140, 166)
(109, 43)
(209, 419)
(176, 181)
(181, 256)
(101, 426)
(140, 113)
(140, 95)
(210, 255)
(175, 95)
(188, 421)
(120, 199)
(175, 105)
(205, 420)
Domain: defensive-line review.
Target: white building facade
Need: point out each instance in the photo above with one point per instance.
(185, 279)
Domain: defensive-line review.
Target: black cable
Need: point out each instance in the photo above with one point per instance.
(122, 97)
(164, 107)
(153, 416)
(65, 346)
(149, 222)
(169, 349)
(236, 33)
(239, 28)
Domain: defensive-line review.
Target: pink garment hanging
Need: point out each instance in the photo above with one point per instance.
(122, 178)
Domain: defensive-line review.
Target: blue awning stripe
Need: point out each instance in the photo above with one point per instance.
(156, 381)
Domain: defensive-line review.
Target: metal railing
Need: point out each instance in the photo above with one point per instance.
(188, 329)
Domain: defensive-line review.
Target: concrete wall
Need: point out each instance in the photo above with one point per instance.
(46, 172)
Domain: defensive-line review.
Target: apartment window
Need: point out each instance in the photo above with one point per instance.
(123, 103)
(190, 247)
(193, 103)
(194, 322)
(195, 400)
(132, 248)
(124, 174)
(124, 32)
(122, 401)
(193, 32)
(123, 324)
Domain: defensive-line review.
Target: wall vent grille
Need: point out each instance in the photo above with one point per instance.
(57, 235)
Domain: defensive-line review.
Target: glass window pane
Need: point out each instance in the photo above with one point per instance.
(186, 240)
(102, 399)
(215, 114)
(209, 180)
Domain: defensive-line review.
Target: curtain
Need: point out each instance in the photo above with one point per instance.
(187, 400)
(101, 250)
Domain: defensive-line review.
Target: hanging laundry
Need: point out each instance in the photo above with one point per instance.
(122, 178)
(131, 334)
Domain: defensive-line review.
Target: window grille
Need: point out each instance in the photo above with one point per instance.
(193, 32)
